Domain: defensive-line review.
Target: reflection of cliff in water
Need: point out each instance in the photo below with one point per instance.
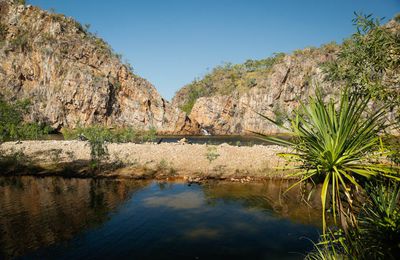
(270, 196)
(38, 212)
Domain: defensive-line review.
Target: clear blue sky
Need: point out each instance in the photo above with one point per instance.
(171, 42)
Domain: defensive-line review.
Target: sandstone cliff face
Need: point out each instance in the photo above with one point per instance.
(72, 77)
(230, 98)
(275, 94)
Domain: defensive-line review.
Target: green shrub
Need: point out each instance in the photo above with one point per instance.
(98, 136)
(369, 64)
(332, 246)
(330, 47)
(337, 146)
(393, 144)
(227, 78)
(194, 94)
(102, 46)
(12, 125)
(263, 64)
(117, 135)
(366, 61)
(377, 235)
(149, 135)
(212, 153)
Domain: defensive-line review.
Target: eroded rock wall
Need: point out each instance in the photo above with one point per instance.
(276, 94)
(72, 77)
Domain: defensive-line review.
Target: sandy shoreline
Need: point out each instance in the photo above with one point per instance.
(191, 162)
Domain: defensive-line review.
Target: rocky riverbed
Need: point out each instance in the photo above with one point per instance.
(191, 162)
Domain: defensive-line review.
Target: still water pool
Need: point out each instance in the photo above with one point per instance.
(57, 218)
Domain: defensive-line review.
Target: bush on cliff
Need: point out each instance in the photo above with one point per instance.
(20, 2)
(226, 79)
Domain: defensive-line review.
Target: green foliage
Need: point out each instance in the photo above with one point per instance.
(118, 135)
(225, 79)
(194, 94)
(332, 246)
(379, 222)
(305, 51)
(369, 61)
(150, 135)
(98, 136)
(393, 144)
(263, 64)
(56, 17)
(103, 46)
(212, 153)
(377, 235)
(330, 47)
(12, 125)
(337, 146)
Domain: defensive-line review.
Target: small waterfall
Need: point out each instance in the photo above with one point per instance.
(205, 132)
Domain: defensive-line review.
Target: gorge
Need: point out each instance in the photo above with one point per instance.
(72, 77)
(292, 156)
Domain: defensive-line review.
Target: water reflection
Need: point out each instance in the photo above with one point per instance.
(38, 212)
(273, 196)
(183, 200)
(57, 218)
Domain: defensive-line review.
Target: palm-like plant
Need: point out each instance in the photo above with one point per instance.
(336, 145)
(377, 235)
(379, 222)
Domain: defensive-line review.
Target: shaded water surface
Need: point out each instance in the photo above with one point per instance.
(237, 140)
(56, 218)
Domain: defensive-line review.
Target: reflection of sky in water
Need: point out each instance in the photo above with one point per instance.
(175, 221)
(183, 200)
(202, 233)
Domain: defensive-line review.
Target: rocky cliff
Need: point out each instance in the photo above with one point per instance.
(230, 98)
(274, 91)
(72, 77)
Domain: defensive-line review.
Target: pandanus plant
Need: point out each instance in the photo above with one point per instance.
(336, 145)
